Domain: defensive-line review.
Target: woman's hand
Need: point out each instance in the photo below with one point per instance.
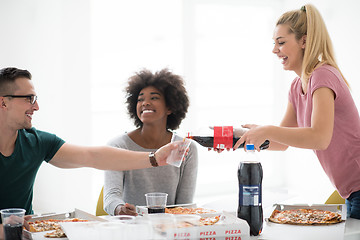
(256, 135)
(127, 209)
(238, 132)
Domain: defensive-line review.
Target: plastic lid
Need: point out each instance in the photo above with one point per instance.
(250, 147)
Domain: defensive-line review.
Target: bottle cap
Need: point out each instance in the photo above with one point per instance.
(250, 147)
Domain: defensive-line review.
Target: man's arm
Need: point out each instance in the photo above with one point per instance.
(107, 158)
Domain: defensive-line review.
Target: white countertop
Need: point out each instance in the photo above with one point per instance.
(348, 230)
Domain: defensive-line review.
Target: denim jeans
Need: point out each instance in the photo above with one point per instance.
(353, 205)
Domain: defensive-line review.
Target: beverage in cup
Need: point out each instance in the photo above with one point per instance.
(156, 202)
(13, 220)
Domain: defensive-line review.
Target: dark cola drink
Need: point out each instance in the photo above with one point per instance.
(13, 232)
(250, 176)
(207, 141)
(152, 210)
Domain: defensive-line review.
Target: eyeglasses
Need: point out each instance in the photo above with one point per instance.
(31, 98)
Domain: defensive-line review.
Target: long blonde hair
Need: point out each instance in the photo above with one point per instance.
(318, 49)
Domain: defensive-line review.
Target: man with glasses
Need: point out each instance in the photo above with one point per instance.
(31, 98)
(23, 148)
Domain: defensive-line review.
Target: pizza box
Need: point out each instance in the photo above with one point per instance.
(148, 227)
(339, 208)
(312, 232)
(77, 213)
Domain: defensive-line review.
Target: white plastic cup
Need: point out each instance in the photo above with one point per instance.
(177, 155)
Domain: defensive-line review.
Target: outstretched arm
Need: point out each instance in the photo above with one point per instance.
(317, 136)
(107, 158)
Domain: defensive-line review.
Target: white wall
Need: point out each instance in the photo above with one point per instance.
(82, 52)
(51, 40)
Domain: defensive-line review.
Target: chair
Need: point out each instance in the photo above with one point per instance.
(100, 204)
(335, 198)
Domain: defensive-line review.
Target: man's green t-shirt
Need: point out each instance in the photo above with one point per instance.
(18, 171)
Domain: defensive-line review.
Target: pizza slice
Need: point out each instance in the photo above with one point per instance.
(206, 221)
(51, 224)
(58, 233)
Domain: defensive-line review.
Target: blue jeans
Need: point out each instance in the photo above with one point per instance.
(353, 205)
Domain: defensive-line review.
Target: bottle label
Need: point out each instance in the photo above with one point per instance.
(250, 195)
(223, 137)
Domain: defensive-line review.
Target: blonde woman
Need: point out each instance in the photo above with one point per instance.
(321, 113)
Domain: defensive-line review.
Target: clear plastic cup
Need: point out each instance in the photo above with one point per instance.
(177, 155)
(186, 223)
(13, 220)
(156, 202)
(162, 224)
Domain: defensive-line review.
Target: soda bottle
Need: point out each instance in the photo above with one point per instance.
(250, 176)
(223, 138)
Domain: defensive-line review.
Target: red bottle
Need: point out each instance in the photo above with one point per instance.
(222, 139)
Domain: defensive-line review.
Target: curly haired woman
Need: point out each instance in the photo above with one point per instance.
(157, 103)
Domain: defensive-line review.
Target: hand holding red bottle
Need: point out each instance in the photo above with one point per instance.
(255, 135)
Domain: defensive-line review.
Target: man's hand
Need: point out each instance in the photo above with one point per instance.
(127, 209)
(26, 219)
(162, 153)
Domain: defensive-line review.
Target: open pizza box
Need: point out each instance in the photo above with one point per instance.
(309, 232)
(77, 213)
(338, 208)
(228, 227)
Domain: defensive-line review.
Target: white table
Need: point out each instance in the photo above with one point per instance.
(350, 230)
